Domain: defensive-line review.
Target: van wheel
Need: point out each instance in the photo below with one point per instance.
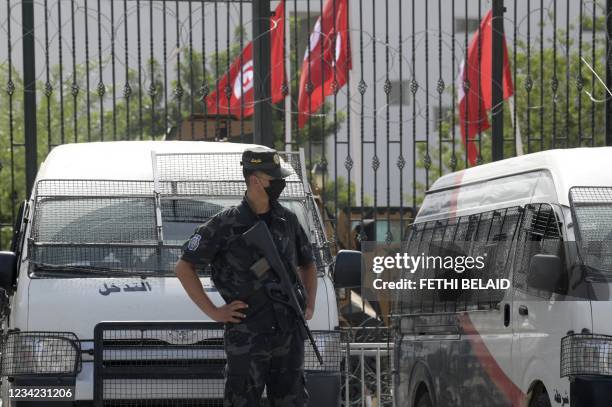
(540, 400)
(424, 401)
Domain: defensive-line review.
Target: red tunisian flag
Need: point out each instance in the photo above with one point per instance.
(474, 102)
(241, 86)
(326, 67)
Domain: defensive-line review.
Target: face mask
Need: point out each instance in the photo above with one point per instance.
(275, 188)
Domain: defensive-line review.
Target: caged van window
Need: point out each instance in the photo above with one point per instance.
(539, 233)
(86, 235)
(489, 234)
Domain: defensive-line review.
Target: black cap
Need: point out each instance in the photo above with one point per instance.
(263, 159)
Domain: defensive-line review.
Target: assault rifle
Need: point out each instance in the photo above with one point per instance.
(259, 236)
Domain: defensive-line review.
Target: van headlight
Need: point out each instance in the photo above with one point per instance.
(328, 343)
(586, 354)
(40, 353)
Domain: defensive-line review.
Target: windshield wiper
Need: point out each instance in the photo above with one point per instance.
(88, 270)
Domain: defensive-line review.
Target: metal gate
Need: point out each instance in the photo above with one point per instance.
(99, 70)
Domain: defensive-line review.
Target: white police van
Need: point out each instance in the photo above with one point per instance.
(96, 315)
(544, 221)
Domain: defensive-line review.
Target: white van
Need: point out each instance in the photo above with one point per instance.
(544, 221)
(97, 315)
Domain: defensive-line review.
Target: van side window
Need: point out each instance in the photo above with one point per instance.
(419, 236)
(539, 234)
(492, 242)
(488, 234)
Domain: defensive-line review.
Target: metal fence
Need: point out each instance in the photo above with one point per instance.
(100, 70)
(368, 374)
(92, 70)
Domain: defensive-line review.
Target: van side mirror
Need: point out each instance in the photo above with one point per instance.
(8, 269)
(545, 272)
(347, 269)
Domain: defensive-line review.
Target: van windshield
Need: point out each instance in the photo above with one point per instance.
(96, 235)
(592, 210)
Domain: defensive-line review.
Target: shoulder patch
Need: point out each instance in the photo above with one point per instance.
(194, 242)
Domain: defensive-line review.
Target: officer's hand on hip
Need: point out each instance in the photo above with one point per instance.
(308, 313)
(229, 312)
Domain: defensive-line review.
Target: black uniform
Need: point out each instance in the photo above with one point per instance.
(266, 348)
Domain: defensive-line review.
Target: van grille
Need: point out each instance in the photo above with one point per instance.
(158, 364)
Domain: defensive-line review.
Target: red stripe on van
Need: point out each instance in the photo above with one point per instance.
(512, 392)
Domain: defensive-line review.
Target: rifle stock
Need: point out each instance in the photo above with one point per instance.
(259, 236)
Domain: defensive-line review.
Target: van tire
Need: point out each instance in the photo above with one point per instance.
(540, 399)
(424, 401)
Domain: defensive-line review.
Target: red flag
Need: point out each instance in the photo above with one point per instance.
(479, 102)
(340, 56)
(240, 86)
(325, 68)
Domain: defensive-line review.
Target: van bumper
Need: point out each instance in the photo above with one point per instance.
(591, 391)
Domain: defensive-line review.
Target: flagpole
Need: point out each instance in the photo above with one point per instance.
(497, 76)
(288, 122)
(262, 118)
(518, 142)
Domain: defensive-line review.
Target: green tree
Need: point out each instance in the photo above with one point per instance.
(12, 174)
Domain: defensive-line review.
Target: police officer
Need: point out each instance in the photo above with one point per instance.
(262, 342)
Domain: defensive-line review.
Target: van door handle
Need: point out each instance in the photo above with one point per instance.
(506, 314)
(523, 310)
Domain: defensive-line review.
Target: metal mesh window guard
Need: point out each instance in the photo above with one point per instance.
(185, 174)
(106, 225)
(539, 234)
(330, 347)
(40, 353)
(188, 210)
(93, 188)
(488, 234)
(322, 252)
(590, 195)
(106, 258)
(592, 211)
(586, 354)
(106, 220)
(140, 226)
